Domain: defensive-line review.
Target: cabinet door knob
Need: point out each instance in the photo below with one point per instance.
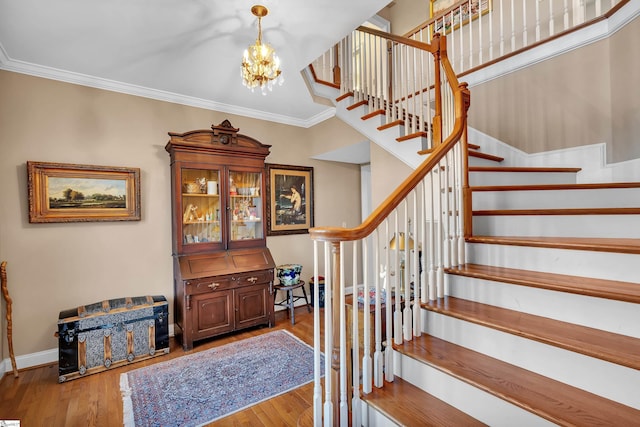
(252, 279)
(213, 285)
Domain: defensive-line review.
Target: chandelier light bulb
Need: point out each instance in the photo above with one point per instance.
(260, 64)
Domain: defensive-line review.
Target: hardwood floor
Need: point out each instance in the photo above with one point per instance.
(37, 399)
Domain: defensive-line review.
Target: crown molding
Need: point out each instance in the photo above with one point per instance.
(22, 67)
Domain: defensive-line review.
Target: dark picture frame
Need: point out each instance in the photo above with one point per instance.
(289, 199)
(62, 192)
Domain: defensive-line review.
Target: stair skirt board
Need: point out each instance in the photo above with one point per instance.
(479, 404)
(596, 376)
(600, 265)
(608, 226)
(613, 316)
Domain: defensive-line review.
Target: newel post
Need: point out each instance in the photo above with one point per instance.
(466, 189)
(336, 68)
(437, 118)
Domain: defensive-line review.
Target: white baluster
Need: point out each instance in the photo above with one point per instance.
(417, 245)
(397, 314)
(431, 197)
(328, 337)
(344, 404)
(388, 355)
(551, 19)
(537, 21)
(378, 362)
(355, 342)
(440, 239)
(317, 350)
(490, 33)
(366, 315)
(513, 26)
(524, 23)
(501, 29)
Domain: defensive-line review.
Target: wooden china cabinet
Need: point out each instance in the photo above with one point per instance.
(223, 271)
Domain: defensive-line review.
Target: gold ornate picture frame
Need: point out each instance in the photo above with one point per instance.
(456, 16)
(289, 199)
(61, 192)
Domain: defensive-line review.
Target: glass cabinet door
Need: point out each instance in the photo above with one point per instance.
(201, 209)
(245, 205)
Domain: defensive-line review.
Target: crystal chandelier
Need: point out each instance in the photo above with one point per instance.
(260, 64)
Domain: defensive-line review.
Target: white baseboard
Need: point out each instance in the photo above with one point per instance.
(592, 159)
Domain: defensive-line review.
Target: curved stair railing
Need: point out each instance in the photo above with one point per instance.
(498, 29)
(396, 258)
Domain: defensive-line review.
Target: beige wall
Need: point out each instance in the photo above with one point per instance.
(387, 173)
(582, 97)
(625, 76)
(406, 15)
(59, 266)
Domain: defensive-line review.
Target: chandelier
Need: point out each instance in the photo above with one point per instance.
(260, 64)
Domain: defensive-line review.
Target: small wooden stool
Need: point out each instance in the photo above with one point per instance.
(291, 298)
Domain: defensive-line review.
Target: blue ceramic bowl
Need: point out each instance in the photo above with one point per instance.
(289, 274)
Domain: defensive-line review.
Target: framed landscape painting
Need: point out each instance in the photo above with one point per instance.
(60, 192)
(289, 199)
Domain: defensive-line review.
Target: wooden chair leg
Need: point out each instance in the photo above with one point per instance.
(5, 292)
(306, 300)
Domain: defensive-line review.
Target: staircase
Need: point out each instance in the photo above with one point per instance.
(540, 324)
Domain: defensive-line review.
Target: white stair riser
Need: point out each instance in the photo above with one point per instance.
(601, 265)
(557, 199)
(479, 161)
(614, 316)
(479, 404)
(605, 379)
(607, 226)
(520, 178)
(377, 419)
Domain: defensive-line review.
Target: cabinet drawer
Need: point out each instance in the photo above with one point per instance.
(208, 284)
(253, 278)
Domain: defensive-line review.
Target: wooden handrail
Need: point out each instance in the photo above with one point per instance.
(430, 47)
(448, 154)
(462, 102)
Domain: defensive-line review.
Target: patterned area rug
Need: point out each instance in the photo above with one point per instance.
(199, 388)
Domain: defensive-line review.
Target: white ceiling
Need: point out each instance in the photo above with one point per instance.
(184, 51)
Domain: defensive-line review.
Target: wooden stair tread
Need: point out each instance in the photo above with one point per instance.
(411, 136)
(373, 114)
(598, 244)
(391, 124)
(620, 349)
(550, 399)
(536, 187)
(408, 405)
(486, 156)
(589, 286)
(561, 211)
(356, 105)
(344, 96)
(521, 169)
